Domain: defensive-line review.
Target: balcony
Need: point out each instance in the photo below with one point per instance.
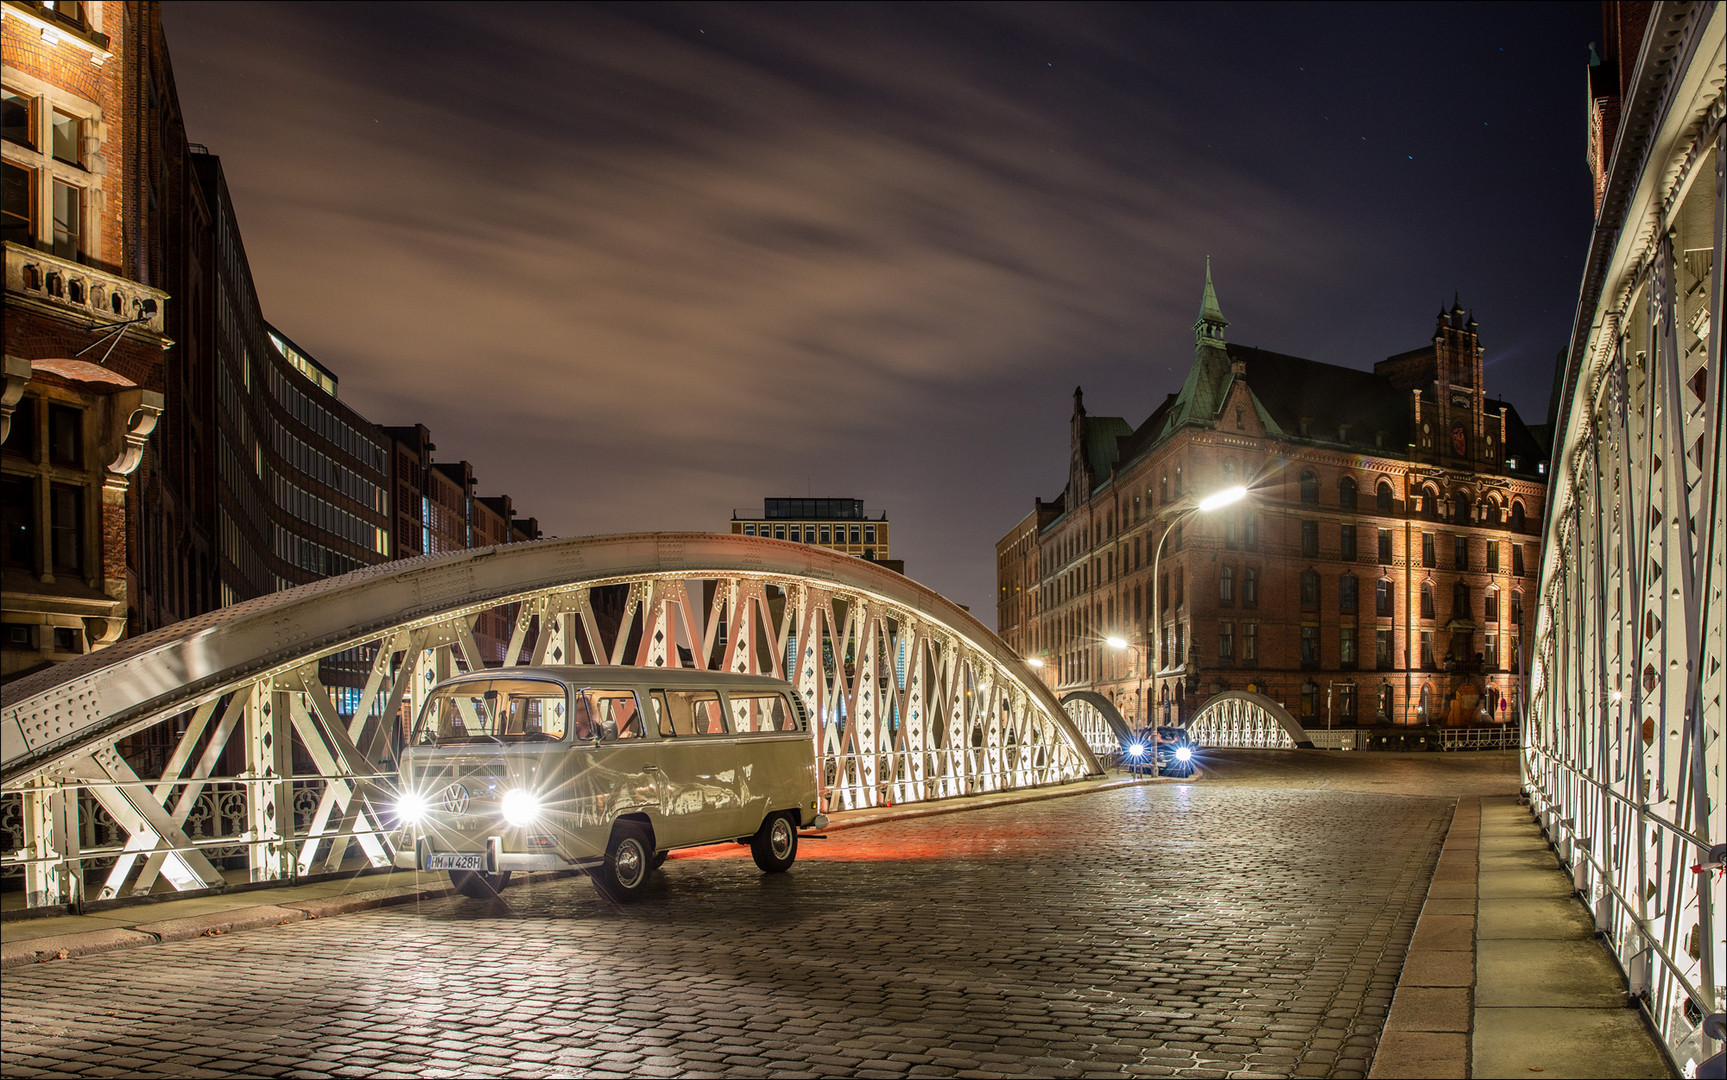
(104, 298)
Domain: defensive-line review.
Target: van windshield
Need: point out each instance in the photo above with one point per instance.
(494, 710)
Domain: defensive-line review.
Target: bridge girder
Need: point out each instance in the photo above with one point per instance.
(914, 699)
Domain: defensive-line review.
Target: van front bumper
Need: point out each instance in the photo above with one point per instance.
(414, 858)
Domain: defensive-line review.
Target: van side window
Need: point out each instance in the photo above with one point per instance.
(759, 713)
(706, 714)
(615, 714)
(688, 712)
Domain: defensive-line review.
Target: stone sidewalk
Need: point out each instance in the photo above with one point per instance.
(1504, 975)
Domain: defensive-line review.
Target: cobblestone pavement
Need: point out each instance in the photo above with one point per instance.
(1206, 930)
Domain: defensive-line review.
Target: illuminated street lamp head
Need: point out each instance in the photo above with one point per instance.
(1034, 661)
(1219, 499)
(1115, 642)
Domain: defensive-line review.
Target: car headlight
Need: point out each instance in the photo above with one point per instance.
(1183, 753)
(411, 808)
(521, 807)
(1136, 750)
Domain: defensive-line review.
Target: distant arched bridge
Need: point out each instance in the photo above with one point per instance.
(914, 698)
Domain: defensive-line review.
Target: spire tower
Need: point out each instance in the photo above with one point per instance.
(1209, 329)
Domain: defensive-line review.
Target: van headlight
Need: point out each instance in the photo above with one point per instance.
(1182, 753)
(411, 808)
(521, 807)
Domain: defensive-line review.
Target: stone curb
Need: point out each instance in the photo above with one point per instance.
(1427, 1030)
(90, 942)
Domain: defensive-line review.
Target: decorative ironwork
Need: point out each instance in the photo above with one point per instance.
(913, 699)
(1624, 759)
(1240, 718)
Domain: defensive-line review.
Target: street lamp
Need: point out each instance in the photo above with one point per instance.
(1120, 644)
(1215, 501)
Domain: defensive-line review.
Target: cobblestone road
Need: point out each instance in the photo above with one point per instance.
(1210, 930)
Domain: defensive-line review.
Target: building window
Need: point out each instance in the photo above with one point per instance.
(68, 219)
(1231, 533)
(1346, 705)
(1180, 588)
(869, 534)
(1491, 656)
(17, 522)
(1384, 547)
(1460, 552)
(17, 195)
(1382, 602)
(1163, 489)
(1517, 560)
(66, 508)
(1427, 599)
(67, 137)
(15, 117)
(1163, 592)
(1309, 646)
(1346, 493)
(749, 530)
(1460, 601)
(1226, 586)
(1346, 648)
(1309, 590)
(1427, 650)
(779, 532)
(1460, 508)
(1310, 539)
(1385, 497)
(1493, 556)
(1310, 700)
(1346, 593)
(1250, 587)
(66, 435)
(1428, 559)
(1516, 607)
(1491, 612)
(1517, 519)
(1250, 532)
(1346, 543)
(1309, 487)
(1249, 643)
(1382, 649)
(1225, 643)
(1516, 653)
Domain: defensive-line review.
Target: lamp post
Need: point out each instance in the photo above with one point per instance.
(1120, 644)
(1215, 501)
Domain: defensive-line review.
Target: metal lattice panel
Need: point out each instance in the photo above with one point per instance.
(1243, 719)
(1623, 750)
(270, 766)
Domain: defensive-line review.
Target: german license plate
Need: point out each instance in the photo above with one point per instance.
(456, 860)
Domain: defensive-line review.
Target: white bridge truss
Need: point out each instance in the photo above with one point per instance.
(277, 718)
(1240, 718)
(1624, 752)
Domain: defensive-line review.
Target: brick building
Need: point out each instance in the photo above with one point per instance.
(1377, 571)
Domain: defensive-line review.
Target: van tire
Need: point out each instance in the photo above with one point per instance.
(775, 844)
(479, 884)
(629, 862)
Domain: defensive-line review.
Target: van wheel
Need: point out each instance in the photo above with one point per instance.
(629, 861)
(775, 844)
(479, 884)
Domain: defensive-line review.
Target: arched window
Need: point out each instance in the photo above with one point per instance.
(1226, 586)
(1427, 599)
(1491, 612)
(1384, 497)
(1430, 503)
(1309, 487)
(1460, 601)
(1460, 508)
(1517, 521)
(1309, 590)
(1249, 587)
(1346, 493)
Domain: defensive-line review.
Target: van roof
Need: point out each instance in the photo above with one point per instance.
(581, 675)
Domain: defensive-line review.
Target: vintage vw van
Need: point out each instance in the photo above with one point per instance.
(605, 768)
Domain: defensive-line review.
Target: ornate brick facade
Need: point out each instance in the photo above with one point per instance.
(1378, 570)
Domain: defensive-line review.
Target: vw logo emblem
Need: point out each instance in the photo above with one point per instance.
(455, 799)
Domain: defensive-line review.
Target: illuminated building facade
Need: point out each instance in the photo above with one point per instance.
(838, 524)
(1378, 571)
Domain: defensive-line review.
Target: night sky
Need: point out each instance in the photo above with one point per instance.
(645, 265)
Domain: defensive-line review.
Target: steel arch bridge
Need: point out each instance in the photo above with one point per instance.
(1098, 721)
(1242, 718)
(270, 764)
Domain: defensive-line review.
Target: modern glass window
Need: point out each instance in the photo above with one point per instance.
(1428, 559)
(1309, 590)
(1346, 593)
(1385, 497)
(1309, 646)
(1310, 539)
(1346, 493)
(1346, 543)
(1382, 649)
(1250, 587)
(1385, 547)
(1249, 643)
(16, 198)
(1346, 647)
(1427, 599)
(1460, 552)
(1226, 586)
(1309, 487)
(1382, 602)
(68, 219)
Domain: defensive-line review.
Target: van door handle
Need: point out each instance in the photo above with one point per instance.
(650, 768)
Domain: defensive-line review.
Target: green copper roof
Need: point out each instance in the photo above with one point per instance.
(1211, 321)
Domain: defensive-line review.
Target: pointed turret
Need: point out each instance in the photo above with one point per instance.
(1209, 329)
